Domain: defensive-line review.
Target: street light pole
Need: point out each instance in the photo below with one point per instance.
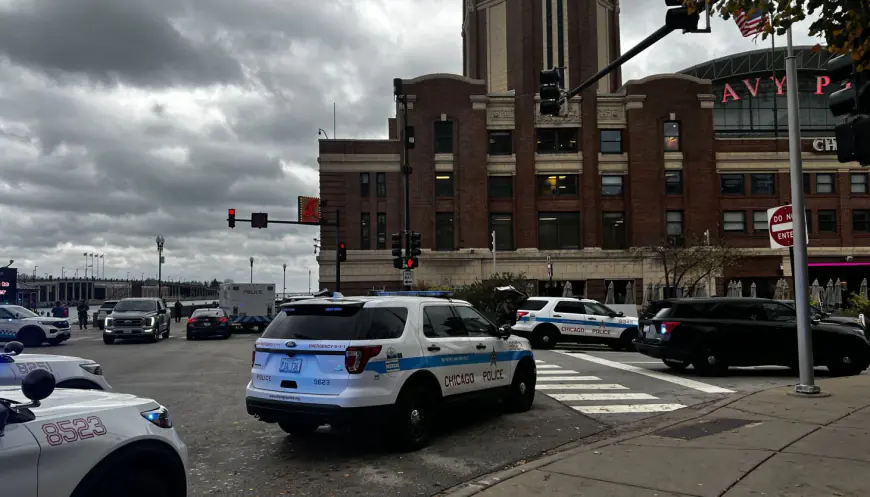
(252, 269)
(285, 280)
(160, 241)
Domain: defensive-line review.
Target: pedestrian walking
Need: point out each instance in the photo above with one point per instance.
(82, 308)
(57, 310)
(178, 307)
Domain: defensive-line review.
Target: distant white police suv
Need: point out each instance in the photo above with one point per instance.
(392, 360)
(68, 371)
(549, 320)
(31, 329)
(86, 443)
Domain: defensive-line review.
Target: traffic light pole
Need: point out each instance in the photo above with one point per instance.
(406, 172)
(337, 248)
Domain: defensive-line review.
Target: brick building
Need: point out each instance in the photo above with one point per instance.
(648, 161)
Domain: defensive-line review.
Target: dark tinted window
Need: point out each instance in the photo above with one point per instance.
(740, 311)
(533, 305)
(570, 307)
(208, 312)
(474, 322)
(338, 322)
(440, 322)
(779, 312)
(653, 308)
(691, 310)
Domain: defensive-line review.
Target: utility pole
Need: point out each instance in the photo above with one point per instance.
(494, 272)
(338, 250)
(407, 142)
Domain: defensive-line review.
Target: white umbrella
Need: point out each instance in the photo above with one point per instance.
(816, 291)
(786, 290)
(838, 293)
(647, 294)
(629, 293)
(730, 291)
(609, 298)
(568, 290)
(657, 292)
(738, 289)
(753, 291)
(829, 294)
(863, 289)
(778, 291)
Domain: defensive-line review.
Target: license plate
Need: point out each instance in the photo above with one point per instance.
(290, 365)
(206, 324)
(650, 331)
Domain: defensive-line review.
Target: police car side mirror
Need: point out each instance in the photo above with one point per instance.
(13, 348)
(504, 331)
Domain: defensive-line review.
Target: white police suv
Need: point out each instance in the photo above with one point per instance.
(86, 443)
(69, 372)
(392, 360)
(22, 324)
(549, 320)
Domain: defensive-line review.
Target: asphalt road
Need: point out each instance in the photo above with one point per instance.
(203, 385)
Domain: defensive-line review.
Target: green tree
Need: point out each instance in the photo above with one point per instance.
(688, 264)
(844, 24)
(480, 293)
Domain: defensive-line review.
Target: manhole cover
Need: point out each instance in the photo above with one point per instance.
(704, 428)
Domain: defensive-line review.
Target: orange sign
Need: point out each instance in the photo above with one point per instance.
(309, 210)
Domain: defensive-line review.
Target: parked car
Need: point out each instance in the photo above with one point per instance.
(138, 318)
(712, 334)
(208, 322)
(104, 311)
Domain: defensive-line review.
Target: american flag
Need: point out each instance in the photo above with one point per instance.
(750, 25)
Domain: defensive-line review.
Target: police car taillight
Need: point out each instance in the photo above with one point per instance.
(356, 358)
(521, 314)
(668, 327)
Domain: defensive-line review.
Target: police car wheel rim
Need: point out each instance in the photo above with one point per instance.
(847, 360)
(545, 338)
(523, 388)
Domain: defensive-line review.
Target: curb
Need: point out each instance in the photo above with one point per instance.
(601, 439)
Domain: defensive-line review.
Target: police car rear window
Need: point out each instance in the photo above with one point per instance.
(533, 305)
(338, 322)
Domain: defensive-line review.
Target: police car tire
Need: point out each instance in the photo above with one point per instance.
(676, 364)
(31, 336)
(419, 398)
(521, 395)
(139, 470)
(155, 337)
(704, 368)
(624, 342)
(546, 336)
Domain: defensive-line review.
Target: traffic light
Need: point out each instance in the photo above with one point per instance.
(852, 103)
(413, 262)
(397, 250)
(342, 252)
(259, 220)
(231, 218)
(551, 92)
(679, 18)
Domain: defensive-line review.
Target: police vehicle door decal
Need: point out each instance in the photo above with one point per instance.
(448, 350)
(568, 316)
(492, 358)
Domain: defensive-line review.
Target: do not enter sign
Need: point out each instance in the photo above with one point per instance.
(780, 227)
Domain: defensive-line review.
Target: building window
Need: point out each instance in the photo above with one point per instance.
(443, 184)
(558, 140)
(759, 221)
(381, 180)
(611, 141)
(443, 137)
(365, 231)
(733, 184)
(674, 221)
(611, 186)
(672, 136)
(364, 190)
(807, 182)
(825, 184)
(858, 182)
(827, 221)
(674, 182)
(503, 226)
(557, 185)
(559, 230)
(382, 230)
(861, 221)
(762, 184)
(501, 186)
(734, 221)
(500, 143)
(444, 231)
(613, 227)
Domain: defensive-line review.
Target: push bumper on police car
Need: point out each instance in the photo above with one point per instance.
(273, 406)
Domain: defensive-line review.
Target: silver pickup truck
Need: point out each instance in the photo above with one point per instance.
(138, 318)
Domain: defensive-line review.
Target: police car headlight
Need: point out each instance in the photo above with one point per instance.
(92, 368)
(158, 417)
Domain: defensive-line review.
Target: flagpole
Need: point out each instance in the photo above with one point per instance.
(775, 86)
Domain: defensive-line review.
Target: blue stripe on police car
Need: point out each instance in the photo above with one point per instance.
(413, 363)
(580, 322)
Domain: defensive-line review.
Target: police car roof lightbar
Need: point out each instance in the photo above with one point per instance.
(416, 293)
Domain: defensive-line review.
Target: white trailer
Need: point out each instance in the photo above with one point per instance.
(249, 305)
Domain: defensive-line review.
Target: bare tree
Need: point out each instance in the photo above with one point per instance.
(689, 263)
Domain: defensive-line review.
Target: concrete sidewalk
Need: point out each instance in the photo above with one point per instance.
(769, 443)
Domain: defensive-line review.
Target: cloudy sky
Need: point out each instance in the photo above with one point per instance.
(121, 120)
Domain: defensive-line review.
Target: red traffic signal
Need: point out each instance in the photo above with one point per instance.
(410, 263)
(232, 212)
(341, 246)
(231, 218)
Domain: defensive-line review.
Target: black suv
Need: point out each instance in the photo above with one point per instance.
(714, 333)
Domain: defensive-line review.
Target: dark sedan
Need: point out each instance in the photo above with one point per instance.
(208, 323)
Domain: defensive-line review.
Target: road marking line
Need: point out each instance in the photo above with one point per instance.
(586, 397)
(78, 338)
(548, 366)
(568, 378)
(628, 409)
(643, 362)
(685, 382)
(580, 386)
(560, 371)
(539, 361)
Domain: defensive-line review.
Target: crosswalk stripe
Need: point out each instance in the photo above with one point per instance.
(548, 366)
(558, 371)
(568, 378)
(538, 361)
(628, 409)
(596, 397)
(579, 386)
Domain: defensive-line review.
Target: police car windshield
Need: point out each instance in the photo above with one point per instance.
(21, 312)
(136, 305)
(338, 322)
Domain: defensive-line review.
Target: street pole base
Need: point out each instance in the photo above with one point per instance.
(808, 391)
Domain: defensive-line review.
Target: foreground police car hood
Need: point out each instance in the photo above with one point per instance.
(26, 357)
(44, 319)
(65, 402)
